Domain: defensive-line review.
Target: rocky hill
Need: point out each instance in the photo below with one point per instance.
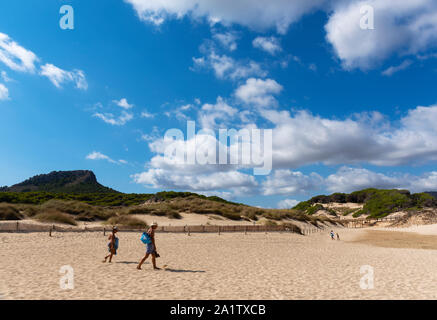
(79, 181)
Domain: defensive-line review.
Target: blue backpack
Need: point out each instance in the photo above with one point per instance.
(115, 244)
(145, 238)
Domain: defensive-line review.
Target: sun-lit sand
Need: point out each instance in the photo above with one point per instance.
(207, 266)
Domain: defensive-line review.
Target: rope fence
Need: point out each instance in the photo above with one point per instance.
(27, 227)
(17, 226)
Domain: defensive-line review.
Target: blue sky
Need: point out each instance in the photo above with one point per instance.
(349, 107)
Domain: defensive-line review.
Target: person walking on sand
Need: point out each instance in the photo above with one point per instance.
(149, 239)
(332, 235)
(112, 245)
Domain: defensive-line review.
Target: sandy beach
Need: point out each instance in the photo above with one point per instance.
(207, 266)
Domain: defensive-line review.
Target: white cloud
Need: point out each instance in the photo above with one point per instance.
(413, 22)
(393, 69)
(146, 114)
(312, 67)
(4, 92)
(19, 58)
(227, 40)
(258, 92)
(58, 76)
(181, 112)
(210, 113)
(111, 119)
(151, 136)
(122, 103)
(255, 14)
(287, 182)
(426, 182)
(226, 67)
(177, 162)
(351, 179)
(346, 179)
(15, 56)
(302, 139)
(287, 203)
(95, 155)
(99, 156)
(5, 77)
(268, 44)
(239, 182)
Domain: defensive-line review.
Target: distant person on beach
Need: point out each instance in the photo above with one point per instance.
(332, 235)
(338, 237)
(148, 238)
(112, 245)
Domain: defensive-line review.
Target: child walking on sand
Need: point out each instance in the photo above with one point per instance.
(112, 245)
(149, 239)
(332, 234)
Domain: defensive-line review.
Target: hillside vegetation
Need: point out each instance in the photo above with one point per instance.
(101, 199)
(121, 208)
(69, 197)
(432, 193)
(377, 203)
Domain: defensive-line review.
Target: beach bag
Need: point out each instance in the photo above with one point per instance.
(145, 238)
(115, 244)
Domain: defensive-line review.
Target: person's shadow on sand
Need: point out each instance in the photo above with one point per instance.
(164, 268)
(182, 270)
(127, 262)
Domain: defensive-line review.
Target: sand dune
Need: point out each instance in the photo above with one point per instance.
(206, 266)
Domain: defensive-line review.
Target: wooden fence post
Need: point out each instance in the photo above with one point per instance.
(218, 230)
(18, 226)
(104, 231)
(188, 231)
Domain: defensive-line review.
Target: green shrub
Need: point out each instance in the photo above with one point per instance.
(303, 206)
(358, 213)
(423, 200)
(384, 202)
(377, 202)
(313, 209)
